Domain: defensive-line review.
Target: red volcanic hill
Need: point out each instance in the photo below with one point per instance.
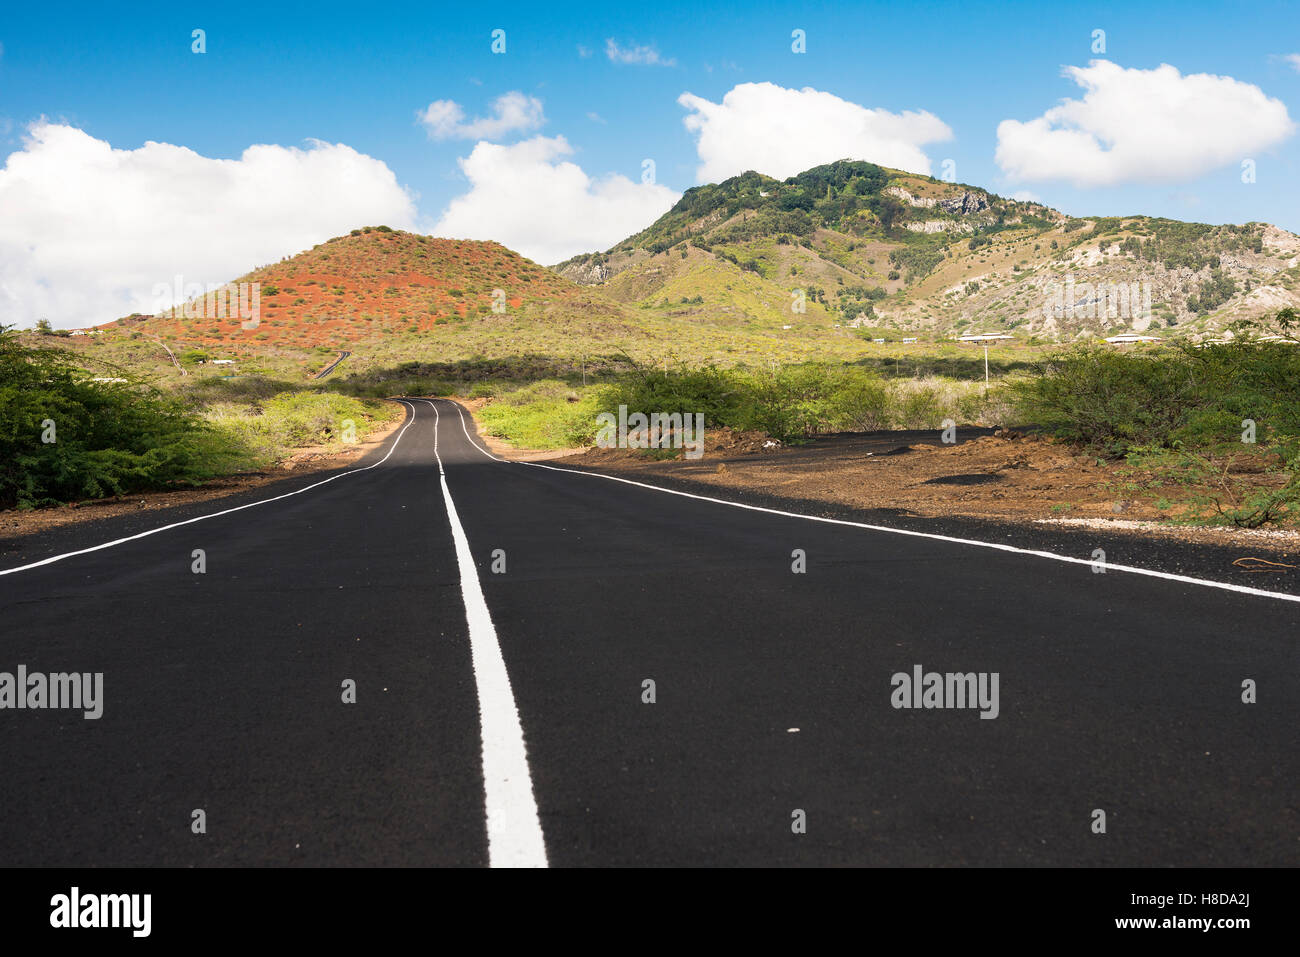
(372, 281)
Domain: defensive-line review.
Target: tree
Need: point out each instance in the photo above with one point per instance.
(44, 328)
(889, 209)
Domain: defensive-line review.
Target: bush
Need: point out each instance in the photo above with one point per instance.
(1109, 401)
(544, 415)
(919, 261)
(292, 420)
(793, 403)
(920, 408)
(1115, 402)
(715, 392)
(109, 438)
(864, 404)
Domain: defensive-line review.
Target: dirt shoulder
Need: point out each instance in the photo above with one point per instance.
(988, 475)
(15, 523)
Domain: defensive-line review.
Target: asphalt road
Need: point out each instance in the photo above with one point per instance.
(333, 365)
(223, 690)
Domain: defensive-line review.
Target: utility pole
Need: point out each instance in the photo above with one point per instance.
(986, 367)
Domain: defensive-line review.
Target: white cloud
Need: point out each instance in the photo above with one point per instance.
(1294, 60)
(596, 118)
(1025, 196)
(527, 197)
(635, 54)
(780, 132)
(1142, 126)
(89, 230)
(513, 112)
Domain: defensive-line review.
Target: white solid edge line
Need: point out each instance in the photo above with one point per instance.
(239, 508)
(1130, 569)
(514, 829)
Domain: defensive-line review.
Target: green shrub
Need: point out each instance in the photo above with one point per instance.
(920, 408)
(1108, 400)
(548, 414)
(717, 393)
(109, 437)
(918, 261)
(791, 403)
(1114, 402)
(291, 420)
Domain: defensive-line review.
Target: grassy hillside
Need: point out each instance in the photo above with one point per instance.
(407, 305)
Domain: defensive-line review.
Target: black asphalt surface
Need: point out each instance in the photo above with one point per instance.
(223, 690)
(333, 365)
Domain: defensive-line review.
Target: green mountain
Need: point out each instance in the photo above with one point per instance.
(871, 248)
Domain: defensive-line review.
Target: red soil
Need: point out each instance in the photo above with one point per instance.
(353, 287)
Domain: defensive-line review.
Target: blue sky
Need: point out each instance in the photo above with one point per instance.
(358, 76)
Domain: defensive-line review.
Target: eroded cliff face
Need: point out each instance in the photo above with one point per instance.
(584, 274)
(971, 201)
(968, 202)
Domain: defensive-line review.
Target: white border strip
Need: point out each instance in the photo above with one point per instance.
(513, 827)
(239, 508)
(1130, 569)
